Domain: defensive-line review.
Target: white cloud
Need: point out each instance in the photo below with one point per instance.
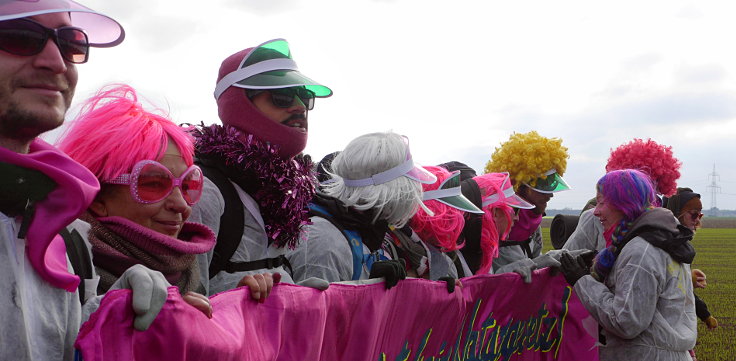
(458, 77)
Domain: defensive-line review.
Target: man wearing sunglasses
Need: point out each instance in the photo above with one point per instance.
(257, 188)
(41, 189)
(536, 182)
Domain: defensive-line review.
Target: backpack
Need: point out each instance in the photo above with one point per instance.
(231, 229)
(76, 249)
(354, 240)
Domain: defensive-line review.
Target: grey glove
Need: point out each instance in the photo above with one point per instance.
(523, 267)
(149, 293)
(314, 282)
(545, 260)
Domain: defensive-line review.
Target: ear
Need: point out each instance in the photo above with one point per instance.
(98, 208)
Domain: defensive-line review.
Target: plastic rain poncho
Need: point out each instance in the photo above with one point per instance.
(645, 306)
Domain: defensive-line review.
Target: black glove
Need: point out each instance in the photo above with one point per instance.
(450, 283)
(573, 268)
(393, 271)
(588, 257)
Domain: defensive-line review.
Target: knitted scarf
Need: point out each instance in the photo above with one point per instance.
(118, 244)
(282, 187)
(606, 258)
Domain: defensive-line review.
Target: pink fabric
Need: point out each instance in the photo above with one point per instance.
(526, 225)
(194, 238)
(608, 235)
(417, 319)
(236, 110)
(76, 188)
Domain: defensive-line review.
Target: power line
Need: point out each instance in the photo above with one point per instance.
(714, 188)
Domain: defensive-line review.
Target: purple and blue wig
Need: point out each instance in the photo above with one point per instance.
(628, 190)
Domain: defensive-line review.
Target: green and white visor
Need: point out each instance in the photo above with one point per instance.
(450, 194)
(269, 66)
(550, 183)
(508, 196)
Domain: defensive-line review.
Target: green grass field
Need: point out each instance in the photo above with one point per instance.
(716, 256)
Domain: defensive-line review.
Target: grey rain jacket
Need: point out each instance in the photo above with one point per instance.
(646, 306)
(587, 235)
(253, 244)
(37, 321)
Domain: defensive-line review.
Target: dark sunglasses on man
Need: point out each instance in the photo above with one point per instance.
(26, 37)
(284, 97)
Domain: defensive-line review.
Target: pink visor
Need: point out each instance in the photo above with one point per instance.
(508, 196)
(102, 30)
(407, 169)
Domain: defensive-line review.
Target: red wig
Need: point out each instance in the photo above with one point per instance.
(653, 159)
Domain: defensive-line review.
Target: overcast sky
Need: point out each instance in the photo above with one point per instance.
(458, 77)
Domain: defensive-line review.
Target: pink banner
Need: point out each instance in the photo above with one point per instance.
(492, 317)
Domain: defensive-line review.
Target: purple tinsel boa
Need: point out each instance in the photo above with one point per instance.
(282, 187)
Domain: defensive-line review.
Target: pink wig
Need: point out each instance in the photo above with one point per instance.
(655, 160)
(113, 132)
(443, 229)
(491, 183)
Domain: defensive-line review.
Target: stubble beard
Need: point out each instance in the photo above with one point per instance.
(23, 126)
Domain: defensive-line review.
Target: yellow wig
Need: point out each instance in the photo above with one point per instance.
(527, 157)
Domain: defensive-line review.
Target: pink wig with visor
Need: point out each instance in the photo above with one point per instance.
(113, 132)
(655, 160)
(489, 184)
(442, 230)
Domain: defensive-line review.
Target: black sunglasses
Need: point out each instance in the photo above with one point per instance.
(26, 37)
(284, 97)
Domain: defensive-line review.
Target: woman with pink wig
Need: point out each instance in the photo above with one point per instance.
(144, 163)
(494, 194)
(639, 288)
(429, 243)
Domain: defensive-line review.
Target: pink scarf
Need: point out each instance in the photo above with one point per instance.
(75, 190)
(118, 244)
(526, 225)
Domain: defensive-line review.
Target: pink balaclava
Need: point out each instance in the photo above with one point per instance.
(236, 110)
(267, 66)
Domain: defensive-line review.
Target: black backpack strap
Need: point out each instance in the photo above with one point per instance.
(267, 263)
(76, 249)
(232, 221)
(458, 264)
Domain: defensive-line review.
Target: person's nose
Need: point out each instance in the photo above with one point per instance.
(176, 202)
(297, 106)
(50, 58)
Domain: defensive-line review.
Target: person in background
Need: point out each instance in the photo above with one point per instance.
(256, 188)
(429, 243)
(639, 288)
(687, 207)
(536, 165)
(139, 217)
(375, 184)
(494, 195)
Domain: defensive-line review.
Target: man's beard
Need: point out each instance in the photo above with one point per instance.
(17, 124)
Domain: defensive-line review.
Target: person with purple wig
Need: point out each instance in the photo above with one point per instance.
(639, 288)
